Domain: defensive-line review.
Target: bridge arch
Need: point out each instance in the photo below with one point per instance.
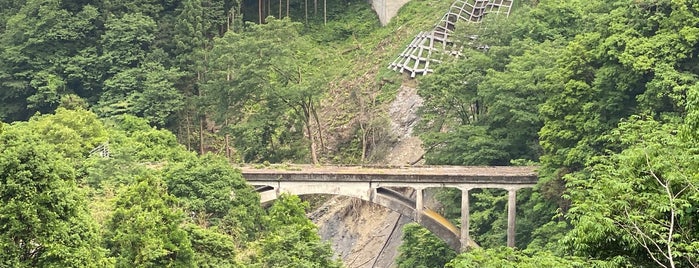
(382, 196)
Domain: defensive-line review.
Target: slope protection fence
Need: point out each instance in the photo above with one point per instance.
(423, 50)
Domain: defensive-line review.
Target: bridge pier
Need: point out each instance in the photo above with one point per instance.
(465, 220)
(419, 203)
(511, 211)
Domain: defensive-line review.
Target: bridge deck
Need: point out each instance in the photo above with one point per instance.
(436, 174)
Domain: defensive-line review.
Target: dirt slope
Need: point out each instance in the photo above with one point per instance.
(363, 234)
(403, 113)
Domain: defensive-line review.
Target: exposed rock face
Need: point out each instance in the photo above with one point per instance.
(363, 234)
(403, 113)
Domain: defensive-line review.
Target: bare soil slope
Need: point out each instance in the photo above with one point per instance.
(363, 234)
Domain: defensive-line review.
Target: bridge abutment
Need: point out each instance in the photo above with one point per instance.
(386, 9)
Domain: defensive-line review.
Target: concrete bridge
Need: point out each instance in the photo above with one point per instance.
(381, 185)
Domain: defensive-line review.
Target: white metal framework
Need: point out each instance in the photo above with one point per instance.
(417, 57)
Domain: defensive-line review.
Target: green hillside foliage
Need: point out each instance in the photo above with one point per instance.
(601, 95)
(510, 258)
(150, 203)
(44, 214)
(422, 249)
(203, 69)
(121, 119)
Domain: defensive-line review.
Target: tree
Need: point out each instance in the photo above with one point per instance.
(505, 257)
(484, 110)
(44, 219)
(639, 62)
(10, 7)
(149, 8)
(72, 133)
(37, 47)
(651, 219)
(215, 194)
(134, 149)
(272, 77)
(451, 126)
(145, 229)
(421, 248)
(451, 94)
(147, 91)
(513, 96)
(126, 41)
(212, 248)
(292, 240)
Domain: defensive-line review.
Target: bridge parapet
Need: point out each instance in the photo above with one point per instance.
(425, 174)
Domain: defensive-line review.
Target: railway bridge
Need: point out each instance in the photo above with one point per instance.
(381, 185)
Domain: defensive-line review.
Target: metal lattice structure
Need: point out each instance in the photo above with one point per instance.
(101, 150)
(420, 53)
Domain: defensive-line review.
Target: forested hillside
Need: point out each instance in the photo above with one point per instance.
(198, 68)
(602, 96)
(121, 120)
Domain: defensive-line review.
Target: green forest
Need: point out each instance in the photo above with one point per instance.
(122, 123)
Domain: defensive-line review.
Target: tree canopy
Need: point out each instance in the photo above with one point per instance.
(600, 94)
(145, 202)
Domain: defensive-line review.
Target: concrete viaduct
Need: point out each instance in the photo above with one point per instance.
(379, 185)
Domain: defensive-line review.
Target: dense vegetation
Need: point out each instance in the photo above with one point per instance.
(602, 95)
(151, 203)
(91, 177)
(195, 67)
